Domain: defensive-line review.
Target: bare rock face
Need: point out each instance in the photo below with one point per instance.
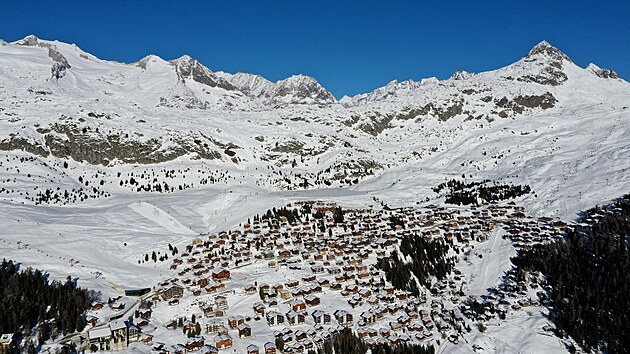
(545, 49)
(522, 103)
(551, 62)
(189, 68)
(58, 69)
(300, 89)
(90, 146)
(602, 72)
(461, 75)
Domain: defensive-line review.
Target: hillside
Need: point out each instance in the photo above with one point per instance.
(104, 163)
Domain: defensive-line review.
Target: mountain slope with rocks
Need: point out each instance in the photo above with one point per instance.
(112, 161)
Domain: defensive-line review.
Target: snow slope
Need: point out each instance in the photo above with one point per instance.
(231, 146)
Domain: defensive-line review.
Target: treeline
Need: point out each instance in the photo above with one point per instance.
(346, 342)
(461, 193)
(28, 299)
(589, 274)
(292, 215)
(429, 258)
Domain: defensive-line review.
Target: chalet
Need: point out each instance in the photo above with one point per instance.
(114, 336)
(194, 344)
(91, 320)
(223, 341)
(321, 317)
(270, 348)
(298, 305)
(175, 291)
(244, 330)
(343, 317)
(6, 341)
(274, 318)
(221, 302)
(214, 325)
(172, 325)
(220, 274)
(259, 308)
(235, 321)
(312, 300)
(294, 318)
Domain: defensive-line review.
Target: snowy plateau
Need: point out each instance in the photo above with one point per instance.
(104, 164)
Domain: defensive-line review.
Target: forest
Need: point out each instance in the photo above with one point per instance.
(428, 259)
(589, 275)
(28, 300)
(346, 342)
(462, 193)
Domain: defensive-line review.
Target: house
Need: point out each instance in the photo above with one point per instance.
(174, 291)
(6, 341)
(223, 341)
(100, 338)
(244, 330)
(235, 321)
(253, 349)
(194, 344)
(274, 318)
(312, 300)
(214, 325)
(221, 274)
(295, 318)
(343, 317)
(134, 332)
(221, 302)
(259, 308)
(270, 348)
(120, 335)
(298, 305)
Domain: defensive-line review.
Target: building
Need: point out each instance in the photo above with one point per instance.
(223, 341)
(114, 336)
(221, 275)
(6, 340)
(270, 348)
(174, 291)
(244, 330)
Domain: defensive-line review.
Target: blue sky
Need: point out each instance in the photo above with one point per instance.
(350, 47)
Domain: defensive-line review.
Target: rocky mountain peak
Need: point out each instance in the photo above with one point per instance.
(602, 72)
(545, 49)
(301, 89)
(30, 40)
(189, 68)
(461, 75)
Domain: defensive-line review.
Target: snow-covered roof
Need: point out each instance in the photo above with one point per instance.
(99, 332)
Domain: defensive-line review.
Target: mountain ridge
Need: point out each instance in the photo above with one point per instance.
(322, 96)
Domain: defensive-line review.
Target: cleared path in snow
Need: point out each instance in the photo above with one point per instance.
(486, 272)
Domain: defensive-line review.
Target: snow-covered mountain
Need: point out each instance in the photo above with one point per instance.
(59, 101)
(109, 159)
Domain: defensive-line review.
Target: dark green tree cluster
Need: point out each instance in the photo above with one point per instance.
(346, 342)
(338, 215)
(292, 215)
(27, 299)
(429, 258)
(461, 193)
(589, 274)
